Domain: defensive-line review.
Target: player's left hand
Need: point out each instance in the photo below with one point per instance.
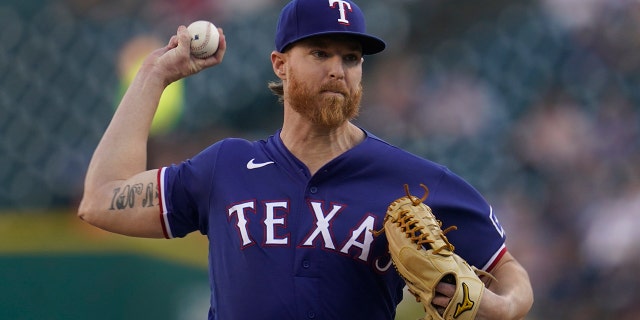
(442, 298)
(420, 252)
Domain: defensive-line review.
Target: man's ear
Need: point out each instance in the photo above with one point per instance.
(278, 64)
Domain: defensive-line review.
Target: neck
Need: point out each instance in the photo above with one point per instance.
(316, 146)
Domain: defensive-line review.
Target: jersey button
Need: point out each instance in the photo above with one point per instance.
(311, 315)
(313, 189)
(306, 264)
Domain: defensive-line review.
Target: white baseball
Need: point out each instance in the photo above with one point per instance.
(204, 38)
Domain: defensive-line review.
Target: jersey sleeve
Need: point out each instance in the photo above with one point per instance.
(185, 192)
(479, 238)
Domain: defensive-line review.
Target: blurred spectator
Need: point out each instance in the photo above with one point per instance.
(392, 99)
(458, 106)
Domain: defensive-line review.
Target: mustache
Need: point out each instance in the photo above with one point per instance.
(334, 87)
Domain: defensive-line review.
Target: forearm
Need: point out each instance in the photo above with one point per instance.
(122, 151)
(510, 296)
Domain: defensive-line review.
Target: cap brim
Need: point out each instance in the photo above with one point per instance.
(370, 44)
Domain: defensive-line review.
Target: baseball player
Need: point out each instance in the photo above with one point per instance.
(289, 218)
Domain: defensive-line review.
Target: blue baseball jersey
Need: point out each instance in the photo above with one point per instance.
(285, 244)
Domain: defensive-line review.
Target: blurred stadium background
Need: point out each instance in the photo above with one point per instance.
(535, 102)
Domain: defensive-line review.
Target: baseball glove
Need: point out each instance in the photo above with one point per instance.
(423, 256)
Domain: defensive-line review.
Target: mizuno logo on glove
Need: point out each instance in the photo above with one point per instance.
(466, 303)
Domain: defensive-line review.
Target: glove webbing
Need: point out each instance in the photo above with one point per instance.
(408, 224)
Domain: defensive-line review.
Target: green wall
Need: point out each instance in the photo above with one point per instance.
(106, 286)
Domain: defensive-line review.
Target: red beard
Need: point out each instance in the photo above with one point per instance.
(324, 110)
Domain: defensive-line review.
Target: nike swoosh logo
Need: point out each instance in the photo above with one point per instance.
(252, 165)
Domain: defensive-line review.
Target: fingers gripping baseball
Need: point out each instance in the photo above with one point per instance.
(175, 61)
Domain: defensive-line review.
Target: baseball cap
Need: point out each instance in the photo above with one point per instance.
(301, 19)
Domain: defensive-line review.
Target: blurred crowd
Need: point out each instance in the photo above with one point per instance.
(535, 102)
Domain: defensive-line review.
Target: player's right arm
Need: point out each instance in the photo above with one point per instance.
(119, 192)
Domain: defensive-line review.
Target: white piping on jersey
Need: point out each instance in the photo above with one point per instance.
(494, 257)
(163, 204)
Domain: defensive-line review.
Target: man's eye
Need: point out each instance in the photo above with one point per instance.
(352, 58)
(320, 54)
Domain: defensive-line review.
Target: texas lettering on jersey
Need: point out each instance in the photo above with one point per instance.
(274, 223)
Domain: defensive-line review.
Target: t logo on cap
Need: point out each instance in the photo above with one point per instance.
(341, 6)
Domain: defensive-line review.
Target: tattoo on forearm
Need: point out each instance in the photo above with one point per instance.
(129, 195)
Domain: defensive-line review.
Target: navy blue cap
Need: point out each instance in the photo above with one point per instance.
(302, 19)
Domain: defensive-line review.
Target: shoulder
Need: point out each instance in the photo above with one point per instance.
(222, 151)
(444, 185)
(391, 155)
(226, 147)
